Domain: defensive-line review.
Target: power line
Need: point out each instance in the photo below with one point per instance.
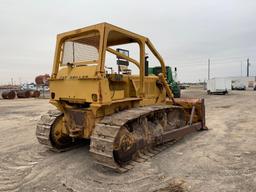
(203, 59)
(213, 62)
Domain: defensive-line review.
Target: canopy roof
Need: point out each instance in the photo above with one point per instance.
(116, 35)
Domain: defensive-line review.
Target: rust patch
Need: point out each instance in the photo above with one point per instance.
(79, 123)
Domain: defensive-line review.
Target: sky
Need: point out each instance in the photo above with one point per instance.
(186, 33)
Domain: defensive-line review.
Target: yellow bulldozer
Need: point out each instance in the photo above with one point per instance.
(127, 117)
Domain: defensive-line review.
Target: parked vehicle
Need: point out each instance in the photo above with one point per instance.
(238, 85)
(218, 86)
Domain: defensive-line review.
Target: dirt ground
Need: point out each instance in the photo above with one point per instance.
(220, 159)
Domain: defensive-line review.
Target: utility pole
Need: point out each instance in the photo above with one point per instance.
(248, 66)
(209, 69)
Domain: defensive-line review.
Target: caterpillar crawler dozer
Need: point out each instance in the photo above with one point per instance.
(126, 117)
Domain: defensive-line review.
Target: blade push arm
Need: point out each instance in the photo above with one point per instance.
(163, 76)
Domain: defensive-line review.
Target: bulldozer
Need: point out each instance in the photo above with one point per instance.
(127, 117)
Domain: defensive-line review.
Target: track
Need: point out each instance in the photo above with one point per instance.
(44, 133)
(43, 128)
(121, 140)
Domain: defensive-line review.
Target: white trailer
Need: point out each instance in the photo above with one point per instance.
(238, 85)
(218, 86)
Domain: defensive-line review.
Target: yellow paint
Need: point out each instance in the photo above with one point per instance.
(86, 86)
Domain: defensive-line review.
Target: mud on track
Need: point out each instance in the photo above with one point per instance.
(221, 159)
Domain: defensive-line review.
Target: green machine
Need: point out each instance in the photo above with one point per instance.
(172, 83)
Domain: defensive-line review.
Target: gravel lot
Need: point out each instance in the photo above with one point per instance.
(220, 159)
